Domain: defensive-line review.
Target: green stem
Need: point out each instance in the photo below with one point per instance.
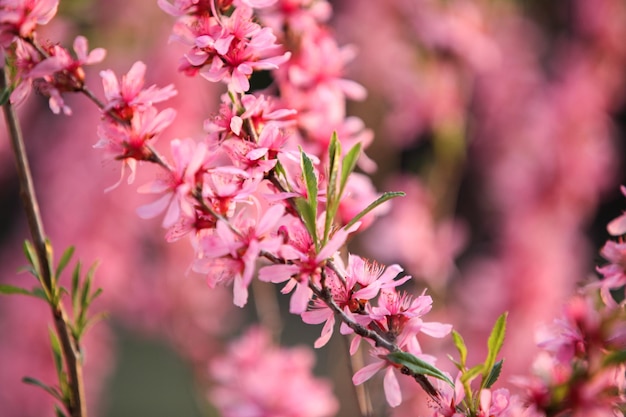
(71, 353)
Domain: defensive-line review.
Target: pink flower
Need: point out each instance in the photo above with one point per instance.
(190, 158)
(241, 242)
(61, 73)
(304, 264)
(614, 272)
(391, 386)
(20, 17)
(494, 403)
(399, 316)
(258, 379)
(129, 95)
(240, 48)
(130, 143)
(450, 398)
(362, 282)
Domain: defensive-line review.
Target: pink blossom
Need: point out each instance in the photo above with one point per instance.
(61, 73)
(450, 398)
(183, 7)
(127, 95)
(391, 386)
(129, 143)
(399, 315)
(494, 403)
(258, 379)
(304, 264)
(614, 272)
(21, 17)
(190, 158)
(26, 58)
(242, 242)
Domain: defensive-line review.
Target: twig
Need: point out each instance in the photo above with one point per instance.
(71, 352)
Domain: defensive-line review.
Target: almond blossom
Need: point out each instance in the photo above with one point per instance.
(242, 243)
(128, 94)
(361, 282)
(19, 18)
(398, 317)
(60, 73)
(130, 143)
(304, 264)
(190, 160)
(257, 379)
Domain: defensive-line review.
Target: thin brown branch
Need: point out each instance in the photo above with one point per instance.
(71, 352)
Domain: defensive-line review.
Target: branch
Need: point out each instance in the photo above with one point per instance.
(71, 352)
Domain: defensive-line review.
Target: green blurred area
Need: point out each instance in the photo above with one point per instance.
(150, 380)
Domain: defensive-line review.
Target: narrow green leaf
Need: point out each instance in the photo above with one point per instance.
(11, 289)
(56, 352)
(50, 258)
(418, 366)
(493, 375)
(494, 344)
(50, 390)
(58, 411)
(84, 293)
(348, 164)
(39, 293)
(65, 259)
(460, 345)
(280, 170)
(310, 180)
(308, 217)
(95, 295)
(615, 358)
(93, 320)
(332, 192)
(4, 96)
(472, 373)
(75, 285)
(383, 198)
(29, 252)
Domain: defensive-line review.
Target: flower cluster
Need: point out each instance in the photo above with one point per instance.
(270, 193)
(259, 379)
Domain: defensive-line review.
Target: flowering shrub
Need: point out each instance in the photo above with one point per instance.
(269, 194)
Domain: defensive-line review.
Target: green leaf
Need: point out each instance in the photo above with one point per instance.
(11, 289)
(280, 170)
(332, 193)
(29, 252)
(418, 366)
(348, 164)
(4, 96)
(493, 375)
(614, 358)
(65, 259)
(57, 354)
(494, 344)
(58, 411)
(472, 373)
(39, 293)
(308, 216)
(310, 180)
(75, 285)
(50, 390)
(95, 295)
(383, 198)
(460, 345)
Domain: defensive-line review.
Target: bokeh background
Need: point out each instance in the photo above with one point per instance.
(503, 121)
